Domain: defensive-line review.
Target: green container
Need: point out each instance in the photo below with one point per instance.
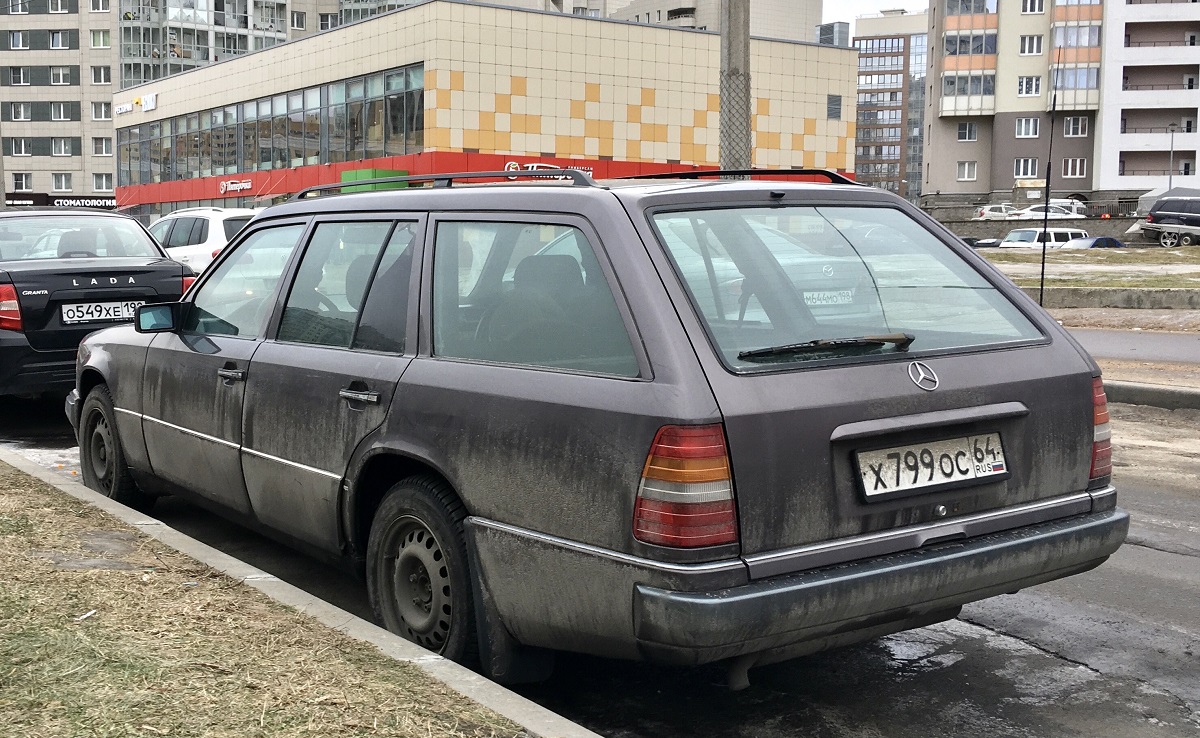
(355, 175)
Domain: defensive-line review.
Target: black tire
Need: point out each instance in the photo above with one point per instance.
(418, 576)
(1187, 239)
(101, 457)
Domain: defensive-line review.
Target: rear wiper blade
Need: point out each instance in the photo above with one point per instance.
(901, 340)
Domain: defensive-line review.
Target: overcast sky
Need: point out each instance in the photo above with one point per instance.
(848, 10)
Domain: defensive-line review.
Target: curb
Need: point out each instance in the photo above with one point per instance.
(535, 719)
(1131, 298)
(1155, 395)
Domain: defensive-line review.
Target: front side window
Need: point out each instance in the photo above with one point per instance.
(1025, 168)
(326, 296)
(771, 284)
(967, 171)
(530, 294)
(1028, 127)
(237, 299)
(60, 75)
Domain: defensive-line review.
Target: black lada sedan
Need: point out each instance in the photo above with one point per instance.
(684, 421)
(63, 274)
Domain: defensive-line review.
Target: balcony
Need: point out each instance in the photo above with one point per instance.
(1159, 34)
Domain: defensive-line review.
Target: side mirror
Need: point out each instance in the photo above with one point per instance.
(161, 317)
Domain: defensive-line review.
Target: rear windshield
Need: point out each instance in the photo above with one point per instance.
(795, 285)
(72, 236)
(233, 225)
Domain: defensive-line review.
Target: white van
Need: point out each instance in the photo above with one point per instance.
(1033, 237)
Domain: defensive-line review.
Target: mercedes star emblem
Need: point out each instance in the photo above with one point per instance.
(922, 376)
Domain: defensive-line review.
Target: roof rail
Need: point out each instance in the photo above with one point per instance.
(833, 177)
(578, 179)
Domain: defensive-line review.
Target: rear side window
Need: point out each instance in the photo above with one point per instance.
(778, 285)
(529, 294)
(181, 234)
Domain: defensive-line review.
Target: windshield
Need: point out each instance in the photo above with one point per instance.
(809, 284)
(1021, 237)
(72, 236)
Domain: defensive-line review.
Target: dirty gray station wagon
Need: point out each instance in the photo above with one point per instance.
(686, 421)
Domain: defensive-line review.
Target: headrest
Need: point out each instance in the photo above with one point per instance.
(553, 273)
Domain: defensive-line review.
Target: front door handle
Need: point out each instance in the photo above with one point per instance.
(357, 396)
(233, 375)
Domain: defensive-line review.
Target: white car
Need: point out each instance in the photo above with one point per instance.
(1038, 212)
(194, 236)
(1033, 237)
(998, 211)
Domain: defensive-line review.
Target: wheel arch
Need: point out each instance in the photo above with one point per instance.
(89, 379)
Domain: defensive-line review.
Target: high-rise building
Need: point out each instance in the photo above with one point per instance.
(57, 60)
(1146, 132)
(892, 58)
(1005, 84)
(833, 34)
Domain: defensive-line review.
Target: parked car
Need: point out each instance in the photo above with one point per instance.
(1093, 242)
(527, 414)
(1040, 212)
(1034, 237)
(1174, 221)
(193, 236)
(63, 274)
(998, 211)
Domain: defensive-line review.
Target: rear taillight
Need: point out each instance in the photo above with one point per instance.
(10, 309)
(1101, 438)
(187, 282)
(215, 252)
(1150, 218)
(686, 496)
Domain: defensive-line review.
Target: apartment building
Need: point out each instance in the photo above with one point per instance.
(793, 20)
(450, 86)
(57, 59)
(1013, 84)
(1146, 134)
(892, 61)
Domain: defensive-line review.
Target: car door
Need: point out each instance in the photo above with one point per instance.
(327, 378)
(195, 377)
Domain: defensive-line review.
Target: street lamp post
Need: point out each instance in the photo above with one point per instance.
(1171, 165)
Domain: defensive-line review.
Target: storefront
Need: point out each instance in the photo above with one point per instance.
(54, 200)
(450, 86)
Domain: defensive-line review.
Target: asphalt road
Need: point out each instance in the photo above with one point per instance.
(1113, 652)
(1140, 345)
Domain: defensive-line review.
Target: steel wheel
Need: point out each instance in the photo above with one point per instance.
(418, 579)
(1187, 239)
(101, 458)
(1168, 239)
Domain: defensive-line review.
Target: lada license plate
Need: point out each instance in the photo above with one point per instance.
(903, 468)
(88, 312)
(835, 297)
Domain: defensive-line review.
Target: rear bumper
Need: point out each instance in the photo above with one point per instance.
(833, 604)
(25, 370)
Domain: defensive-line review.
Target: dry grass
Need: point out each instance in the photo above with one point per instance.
(167, 647)
(1117, 281)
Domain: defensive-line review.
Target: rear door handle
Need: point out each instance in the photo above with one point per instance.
(357, 396)
(233, 375)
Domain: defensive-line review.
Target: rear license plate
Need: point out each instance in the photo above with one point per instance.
(905, 468)
(89, 312)
(838, 297)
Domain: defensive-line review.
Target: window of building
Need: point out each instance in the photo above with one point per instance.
(60, 111)
(1033, 6)
(1081, 78)
(1025, 167)
(967, 171)
(833, 107)
(1071, 37)
(1029, 86)
(18, 40)
(968, 131)
(101, 146)
(102, 182)
(1031, 45)
(102, 75)
(18, 75)
(101, 39)
(60, 75)
(20, 147)
(970, 7)
(1077, 2)
(100, 6)
(1028, 127)
(1074, 168)
(22, 111)
(298, 19)
(58, 6)
(1075, 126)
(22, 182)
(968, 84)
(59, 40)
(960, 44)
(18, 7)
(62, 181)
(327, 21)
(60, 147)
(101, 111)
